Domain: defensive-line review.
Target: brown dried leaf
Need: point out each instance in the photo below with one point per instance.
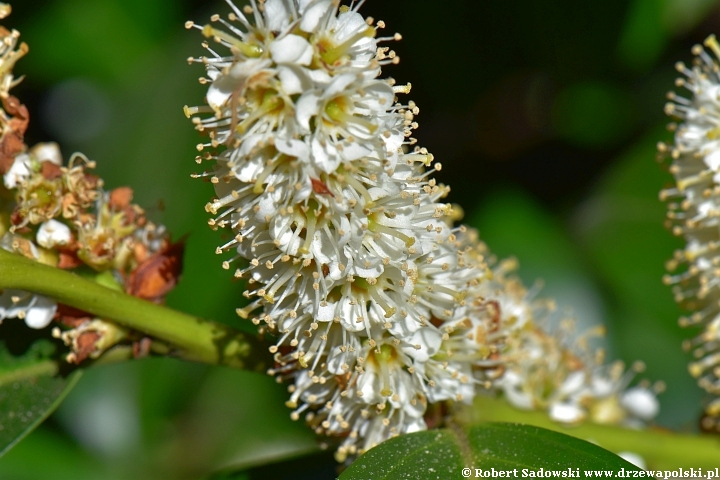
(12, 141)
(84, 345)
(140, 251)
(120, 198)
(50, 171)
(24, 247)
(13, 107)
(68, 259)
(157, 275)
(10, 145)
(320, 187)
(71, 316)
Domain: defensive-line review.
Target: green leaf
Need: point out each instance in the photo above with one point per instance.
(443, 454)
(30, 390)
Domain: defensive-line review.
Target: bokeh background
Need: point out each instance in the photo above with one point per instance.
(544, 114)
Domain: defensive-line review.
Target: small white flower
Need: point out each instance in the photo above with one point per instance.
(52, 233)
(47, 152)
(19, 171)
(569, 413)
(640, 402)
(37, 311)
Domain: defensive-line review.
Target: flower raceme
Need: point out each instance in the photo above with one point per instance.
(693, 207)
(352, 261)
(380, 306)
(378, 303)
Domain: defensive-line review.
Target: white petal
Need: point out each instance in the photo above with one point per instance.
(602, 387)
(11, 309)
(712, 160)
(518, 398)
(49, 151)
(326, 312)
(633, 458)
(348, 313)
(348, 24)
(326, 157)
(417, 425)
(302, 5)
(307, 106)
(41, 313)
(292, 49)
(52, 233)
(640, 402)
(277, 15)
(220, 90)
(429, 342)
(339, 85)
(280, 230)
(292, 147)
(294, 79)
(369, 384)
(566, 413)
(224, 85)
(378, 97)
(354, 150)
(319, 77)
(573, 382)
(19, 170)
(312, 15)
(249, 171)
(367, 267)
(268, 205)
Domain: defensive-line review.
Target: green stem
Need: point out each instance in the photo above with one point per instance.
(197, 339)
(661, 449)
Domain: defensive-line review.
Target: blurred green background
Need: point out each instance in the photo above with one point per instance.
(544, 114)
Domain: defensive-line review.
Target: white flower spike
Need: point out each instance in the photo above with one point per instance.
(350, 258)
(693, 213)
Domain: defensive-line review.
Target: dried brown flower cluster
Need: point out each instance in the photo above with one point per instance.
(59, 215)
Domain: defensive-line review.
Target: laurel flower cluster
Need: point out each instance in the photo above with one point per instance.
(60, 216)
(36, 310)
(379, 305)
(560, 374)
(351, 259)
(553, 369)
(694, 214)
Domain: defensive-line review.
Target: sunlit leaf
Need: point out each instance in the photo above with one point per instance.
(443, 454)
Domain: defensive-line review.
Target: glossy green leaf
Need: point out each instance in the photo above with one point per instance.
(30, 390)
(457, 453)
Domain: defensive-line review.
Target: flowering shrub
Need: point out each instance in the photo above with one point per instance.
(381, 313)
